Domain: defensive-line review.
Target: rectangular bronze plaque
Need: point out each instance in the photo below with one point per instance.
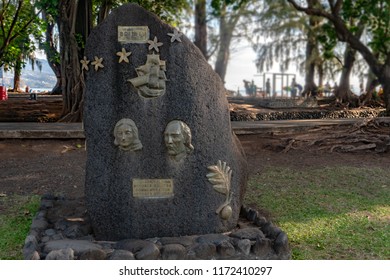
(152, 188)
(133, 34)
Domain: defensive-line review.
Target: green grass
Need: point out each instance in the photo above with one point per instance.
(16, 215)
(327, 213)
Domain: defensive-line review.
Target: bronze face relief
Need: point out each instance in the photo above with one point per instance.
(126, 135)
(177, 138)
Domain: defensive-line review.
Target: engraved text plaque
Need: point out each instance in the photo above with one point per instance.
(152, 188)
(133, 34)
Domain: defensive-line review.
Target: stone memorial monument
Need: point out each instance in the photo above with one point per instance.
(162, 159)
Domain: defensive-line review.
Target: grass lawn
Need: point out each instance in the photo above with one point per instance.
(16, 216)
(328, 213)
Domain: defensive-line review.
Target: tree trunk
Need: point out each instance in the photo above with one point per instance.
(84, 20)
(71, 12)
(17, 74)
(105, 8)
(370, 78)
(343, 92)
(225, 35)
(227, 24)
(57, 89)
(320, 70)
(386, 88)
(201, 27)
(310, 88)
(52, 54)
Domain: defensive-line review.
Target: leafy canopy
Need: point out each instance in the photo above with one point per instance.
(20, 26)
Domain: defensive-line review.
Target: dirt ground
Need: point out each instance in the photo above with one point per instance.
(57, 166)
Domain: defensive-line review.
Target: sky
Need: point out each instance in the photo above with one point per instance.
(242, 67)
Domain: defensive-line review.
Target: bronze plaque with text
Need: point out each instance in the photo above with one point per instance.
(152, 188)
(133, 34)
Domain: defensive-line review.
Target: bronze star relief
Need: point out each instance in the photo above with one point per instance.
(97, 63)
(123, 55)
(154, 44)
(84, 63)
(175, 36)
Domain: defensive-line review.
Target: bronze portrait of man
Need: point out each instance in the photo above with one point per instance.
(177, 137)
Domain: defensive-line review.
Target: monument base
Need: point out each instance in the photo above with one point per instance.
(61, 231)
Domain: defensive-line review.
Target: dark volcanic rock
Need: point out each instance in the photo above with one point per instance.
(194, 95)
(142, 249)
(173, 252)
(96, 254)
(203, 251)
(248, 233)
(121, 255)
(62, 254)
(78, 246)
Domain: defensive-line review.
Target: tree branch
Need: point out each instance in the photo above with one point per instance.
(211, 51)
(12, 26)
(4, 8)
(9, 37)
(24, 27)
(339, 60)
(311, 11)
(5, 5)
(337, 8)
(344, 34)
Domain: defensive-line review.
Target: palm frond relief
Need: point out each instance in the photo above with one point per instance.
(220, 176)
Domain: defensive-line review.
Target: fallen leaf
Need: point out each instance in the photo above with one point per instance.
(67, 149)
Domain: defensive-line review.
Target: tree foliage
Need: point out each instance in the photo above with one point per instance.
(375, 15)
(287, 37)
(170, 11)
(280, 36)
(19, 25)
(20, 28)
